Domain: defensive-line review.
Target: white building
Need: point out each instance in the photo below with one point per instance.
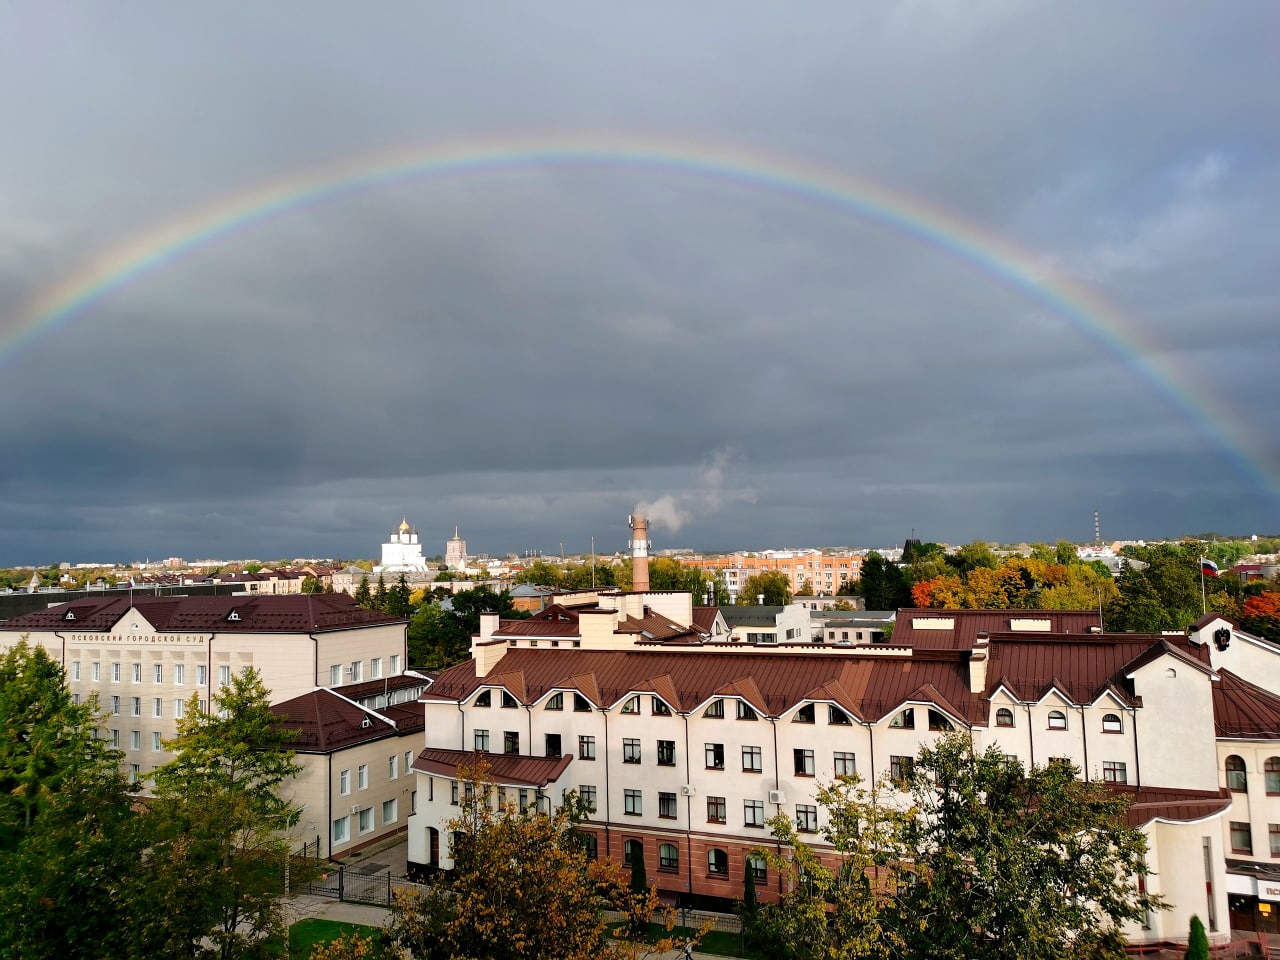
(402, 553)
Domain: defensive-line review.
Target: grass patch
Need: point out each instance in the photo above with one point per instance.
(716, 942)
(305, 934)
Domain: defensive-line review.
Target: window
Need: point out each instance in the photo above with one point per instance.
(937, 721)
(115, 673)
(1057, 720)
(905, 719)
(395, 664)
(375, 668)
(224, 676)
(717, 812)
(135, 740)
(510, 741)
(632, 802)
(484, 699)
(900, 769)
(717, 862)
(389, 812)
(630, 850)
(134, 771)
(179, 673)
(666, 753)
(393, 767)
(715, 710)
(668, 856)
(1273, 832)
(366, 819)
(179, 709)
(1111, 723)
(357, 671)
(1114, 771)
(362, 776)
(1004, 717)
(155, 740)
(157, 671)
(715, 756)
(75, 669)
(344, 783)
(1237, 778)
(1241, 837)
(586, 748)
(137, 673)
(806, 818)
(752, 760)
(759, 867)
(745, 712)
(804, 714)
(453, 793)
(659, 707)
(630, 750)
(837, 717)
(588, 794)
(115, 738)
(202, 674)
(508, 701)
(1272, 770)
(667, 806)
(753, 813)
(632, 705)
(553, 745)
(845, 764)
(408, 761)
(555, 702)
(96, 672)
(157, 707)
(804, 763)
(581, 705)
(136, 710)
(482, 741)
(340, 830)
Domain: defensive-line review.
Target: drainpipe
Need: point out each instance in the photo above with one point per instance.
(64, 650)
(462, 727)
(328, 812)
(1137, 761)
(688, 811)
(777, 782)
(1084, 740)
(529, 710)
(608, 816)
(1031, 735)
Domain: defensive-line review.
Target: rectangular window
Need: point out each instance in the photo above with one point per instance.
(1271, 776)
(115, 706)
(395, 664)
(666, 753)
(632, 802)
(366, 819)
(115, 738)
(362, 776)
(482, 741)
(717, 811)
(752, 760)
(344, 783)
(630, 750)
(75, 698)
(136, 707)
(804, 763)
(135, 739)
(157, 707)
(375, 668)
(340, 828)
(408, 761)
(1241, 837)
(202, 674)
(155, 740)
(96, 671)
(413, 801)
(157, 671)
(357, 671)
(715, 756)
(1273, 831)
(586, 748)
(224, 676)
(393, 767)
(389, 812)
(524, 798)
(753, 813)
(453, 792)
(115, 673)
(588, 794)
(845, 764)
(553, 745)
(900, 769)
(659, 708)
(137, 673)
(134, 771)
(179, 708)
(667, 806)
(335, 674)
(1114, 772)
(806, 818)
(511, 741)
(75, 669)
(179, 674)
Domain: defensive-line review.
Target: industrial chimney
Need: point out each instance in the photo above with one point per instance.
(639, 552)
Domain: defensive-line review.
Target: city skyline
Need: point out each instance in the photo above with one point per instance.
(270, 277)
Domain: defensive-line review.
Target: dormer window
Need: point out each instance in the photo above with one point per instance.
(660, 708)
(556, 702)
(632, 705)
(68, 616)
(938, 722)
(485, 698)
(804, 714)
(233, 616)
(715, 710)
(905, 719)
(838, 717)
(745, 712)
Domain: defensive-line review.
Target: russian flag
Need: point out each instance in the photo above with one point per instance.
(1208, 568)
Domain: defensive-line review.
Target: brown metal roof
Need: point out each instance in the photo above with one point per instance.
(1169, 803)
(504, 768)
(326, 722)
(1243, 710)
(970, 623)
(388, 685)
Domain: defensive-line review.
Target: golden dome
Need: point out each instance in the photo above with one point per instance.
(404, 524)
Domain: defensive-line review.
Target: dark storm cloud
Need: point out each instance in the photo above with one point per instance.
(529, 353)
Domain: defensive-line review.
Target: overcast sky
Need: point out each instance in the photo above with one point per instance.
(528, 353)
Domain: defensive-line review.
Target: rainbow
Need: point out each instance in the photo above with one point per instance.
(1091, 315)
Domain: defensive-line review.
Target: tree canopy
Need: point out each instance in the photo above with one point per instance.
(772, 584)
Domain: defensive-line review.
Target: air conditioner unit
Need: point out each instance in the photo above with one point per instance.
(687, 790)
(777, 796)
(355, 808)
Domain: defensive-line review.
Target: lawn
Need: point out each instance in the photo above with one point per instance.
(305, 934)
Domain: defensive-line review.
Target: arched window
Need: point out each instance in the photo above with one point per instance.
(630, 849)
(1111, 723)
(906, 719)
(1272, 769)
(804, 714)
(1236, 775)
(938, 722)
(556, 702)
(632, 705)
(1004, 717)
(668, 857)
(717, 862)
(838, 717)
(485, 698)
(1057, 720)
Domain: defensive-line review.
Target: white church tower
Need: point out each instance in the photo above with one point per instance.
(402, 553)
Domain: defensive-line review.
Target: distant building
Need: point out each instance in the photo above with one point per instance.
(455, 552)
(823, 573)
(402, 553)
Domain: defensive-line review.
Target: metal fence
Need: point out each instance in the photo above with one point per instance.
(308, 875)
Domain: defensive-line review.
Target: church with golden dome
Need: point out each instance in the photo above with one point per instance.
(402, 553)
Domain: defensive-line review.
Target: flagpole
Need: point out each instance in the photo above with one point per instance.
(1204, 606)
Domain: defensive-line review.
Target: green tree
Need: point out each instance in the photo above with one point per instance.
(253, 567)
(222, 822)
(363, 595)
(397, 602)
(773, 584)
(1197, 941)
(380, 594)
(542, 573)
(437, 638)
(970, 556)
(883, 585)
(580, 577)
(1034, 864)
(1066, 553)
(311, 585)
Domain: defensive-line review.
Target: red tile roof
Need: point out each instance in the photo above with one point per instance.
(504, 768)
(1244, 711)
